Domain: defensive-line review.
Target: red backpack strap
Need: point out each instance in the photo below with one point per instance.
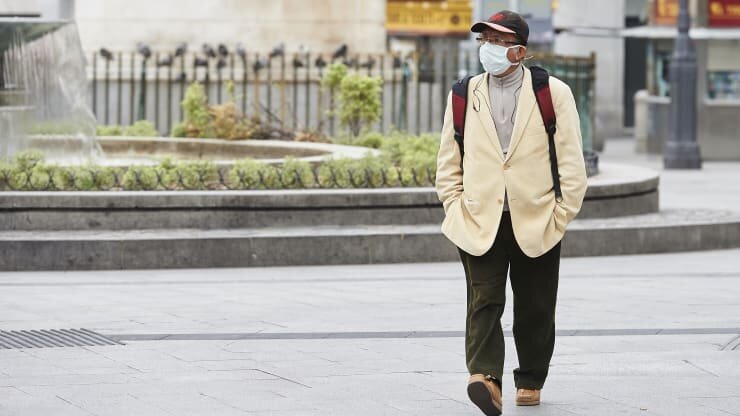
(459, 107)
(541, 85)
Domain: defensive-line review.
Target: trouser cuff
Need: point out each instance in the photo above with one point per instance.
(529, 385)
(495, 375)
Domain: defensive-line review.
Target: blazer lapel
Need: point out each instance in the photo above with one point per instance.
(524, 108)
(482, 107)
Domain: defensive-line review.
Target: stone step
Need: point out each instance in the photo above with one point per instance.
(669, 231)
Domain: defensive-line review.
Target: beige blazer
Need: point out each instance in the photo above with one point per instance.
(473, 197)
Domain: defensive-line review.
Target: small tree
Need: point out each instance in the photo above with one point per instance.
(334, 75)
(359, 97)
(195, 113)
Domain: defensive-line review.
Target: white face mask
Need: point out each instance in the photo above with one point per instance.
(494, 58)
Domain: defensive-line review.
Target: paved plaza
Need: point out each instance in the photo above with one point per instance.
(150, 151)
(638, 335)
(648, 335)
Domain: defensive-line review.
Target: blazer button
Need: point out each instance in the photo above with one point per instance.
(507, 167)
(500, 201)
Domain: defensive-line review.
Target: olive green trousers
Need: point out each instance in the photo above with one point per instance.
(534, 282)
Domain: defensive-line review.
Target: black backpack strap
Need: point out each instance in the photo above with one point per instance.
(541, 85)
(459, 108)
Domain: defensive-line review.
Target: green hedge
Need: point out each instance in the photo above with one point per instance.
(141, 128)
(403, 161)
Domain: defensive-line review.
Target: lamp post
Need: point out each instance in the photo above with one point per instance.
(681, 151)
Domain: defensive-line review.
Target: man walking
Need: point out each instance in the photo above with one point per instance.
(502, 212)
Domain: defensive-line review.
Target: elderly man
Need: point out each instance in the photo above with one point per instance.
(502, 213)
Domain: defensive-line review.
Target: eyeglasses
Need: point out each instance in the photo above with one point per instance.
(496, 41)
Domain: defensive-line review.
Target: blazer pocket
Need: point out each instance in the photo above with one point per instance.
(472, 205)
(561, 217)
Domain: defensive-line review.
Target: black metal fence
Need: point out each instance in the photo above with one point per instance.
(285, 89)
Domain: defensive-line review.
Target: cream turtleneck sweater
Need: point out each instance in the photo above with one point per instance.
(504, 95)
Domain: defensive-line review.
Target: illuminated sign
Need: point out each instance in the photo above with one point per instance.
(665, 12)
(724, 13)
(432, 18)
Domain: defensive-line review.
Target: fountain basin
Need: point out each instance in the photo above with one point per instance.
(165, 229)
(125, 151)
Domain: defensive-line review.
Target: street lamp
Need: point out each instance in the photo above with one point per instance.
(681, 151)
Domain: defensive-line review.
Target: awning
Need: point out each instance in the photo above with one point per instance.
(668, 32)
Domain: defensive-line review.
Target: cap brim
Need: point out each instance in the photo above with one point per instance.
(480, 26)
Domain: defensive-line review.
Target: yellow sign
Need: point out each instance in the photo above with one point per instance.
(665, 12)
(432, 18)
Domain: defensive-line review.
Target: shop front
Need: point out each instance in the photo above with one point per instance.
(716, 35)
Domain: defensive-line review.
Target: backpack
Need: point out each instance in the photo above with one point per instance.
(541, 86)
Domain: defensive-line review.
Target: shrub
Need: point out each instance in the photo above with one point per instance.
(334, 75)
(29, 171)
(107, 177)
(25, 160)
(19, 180)
(179, 130)
(141, 178)
(229, 123)
(404, 160)
(195, 111)
(252, 174)
(26, 172)
(6, 170)
(141, 128)
(296, 174)
(195, 174)
(40, 177)
(358, 95)
(335, 173)
(377, 171)
(223, 121)
(111, 130)
(373, 140)
(169, 174)
(407, 153)
(88, 178)
(368, 172)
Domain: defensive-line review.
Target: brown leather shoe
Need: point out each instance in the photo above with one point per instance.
(527, 397)
(485, 393)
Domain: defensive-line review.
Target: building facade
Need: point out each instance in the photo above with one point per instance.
(716, 36)
(319, 26)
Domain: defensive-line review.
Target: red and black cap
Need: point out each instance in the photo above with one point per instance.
(505, 21)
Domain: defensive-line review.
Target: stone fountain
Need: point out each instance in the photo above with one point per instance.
(44, 106)
(43, 89)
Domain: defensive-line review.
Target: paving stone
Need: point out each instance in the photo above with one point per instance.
(642, 335)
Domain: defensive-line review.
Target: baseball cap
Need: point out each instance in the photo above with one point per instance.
(505, 21)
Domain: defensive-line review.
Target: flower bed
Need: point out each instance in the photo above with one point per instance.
(403, 161)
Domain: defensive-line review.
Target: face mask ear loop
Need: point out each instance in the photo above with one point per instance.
(516, 103)
(476, 99)
(526, 58)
